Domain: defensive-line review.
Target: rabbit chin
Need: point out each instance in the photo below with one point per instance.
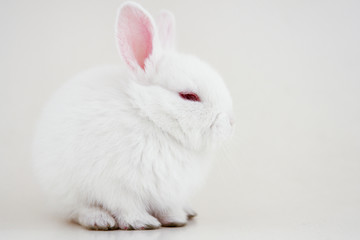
(212, 138)
(221, 130)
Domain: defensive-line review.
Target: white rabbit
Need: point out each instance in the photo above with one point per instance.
(125, 147)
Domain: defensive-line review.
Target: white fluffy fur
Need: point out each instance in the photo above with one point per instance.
(119, 148)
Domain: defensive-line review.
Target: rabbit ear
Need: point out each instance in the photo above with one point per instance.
(135, 34)
(166, 26)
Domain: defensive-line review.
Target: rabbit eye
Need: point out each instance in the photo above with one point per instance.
(190, 96)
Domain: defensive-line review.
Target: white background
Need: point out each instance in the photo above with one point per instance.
(292, 170)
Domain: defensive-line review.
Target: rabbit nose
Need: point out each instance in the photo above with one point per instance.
(231, 118)
(231, 121)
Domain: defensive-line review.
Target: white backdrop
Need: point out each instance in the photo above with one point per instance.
(292, 170)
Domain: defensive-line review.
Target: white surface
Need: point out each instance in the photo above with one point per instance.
(291, 171)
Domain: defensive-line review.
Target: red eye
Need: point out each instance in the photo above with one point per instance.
(190, 96)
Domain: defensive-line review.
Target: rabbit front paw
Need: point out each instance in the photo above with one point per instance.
(95, 219)
(173, 217)
(136, 221)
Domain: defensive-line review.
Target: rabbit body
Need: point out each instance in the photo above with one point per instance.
(94, 150)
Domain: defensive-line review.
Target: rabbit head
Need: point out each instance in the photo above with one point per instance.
(180, 94)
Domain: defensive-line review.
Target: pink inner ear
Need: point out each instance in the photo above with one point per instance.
(135, 36)
(166, 28)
